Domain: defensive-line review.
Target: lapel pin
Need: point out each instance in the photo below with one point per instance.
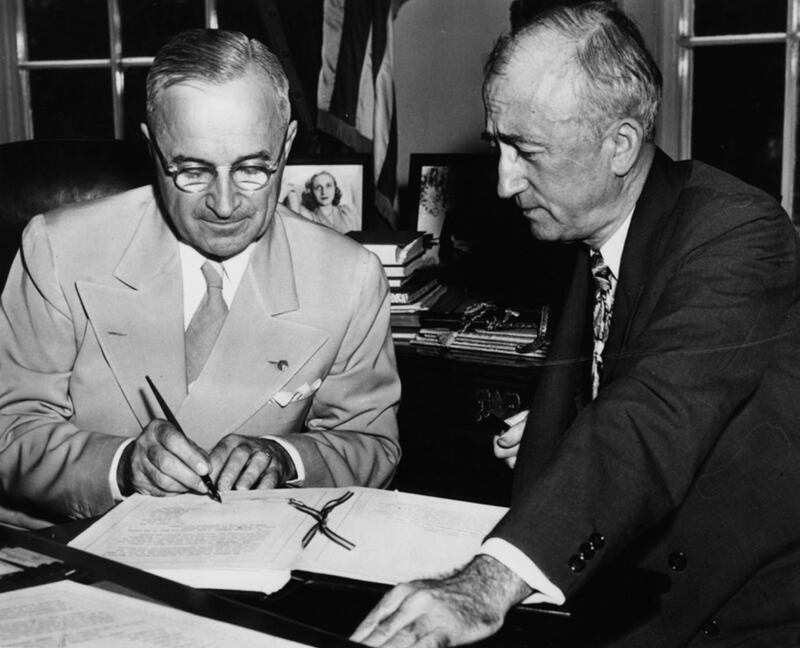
(280, 364)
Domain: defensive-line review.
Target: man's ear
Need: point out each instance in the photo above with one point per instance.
(145, 131)
(627, 136)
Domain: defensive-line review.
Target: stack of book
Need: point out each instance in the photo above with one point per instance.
(414, 288)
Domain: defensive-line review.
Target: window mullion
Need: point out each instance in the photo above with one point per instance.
(789, 149)
(116, 69)
(685, 77)
(24, 75)
(212, 20)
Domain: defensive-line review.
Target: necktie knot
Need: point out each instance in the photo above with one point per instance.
(212, 275)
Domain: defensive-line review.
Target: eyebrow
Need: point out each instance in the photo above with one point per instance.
(513, 140)
(263, 155)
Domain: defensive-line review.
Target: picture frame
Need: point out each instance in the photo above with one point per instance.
(344, 184)
(454, 198)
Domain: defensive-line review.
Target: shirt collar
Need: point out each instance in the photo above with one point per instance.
(232, 268)
(613, 247)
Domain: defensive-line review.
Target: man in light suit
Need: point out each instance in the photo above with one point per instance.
(267, 335)
(664, 450)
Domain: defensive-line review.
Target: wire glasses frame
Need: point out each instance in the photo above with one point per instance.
(192, 177)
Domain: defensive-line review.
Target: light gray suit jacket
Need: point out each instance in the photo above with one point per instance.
(94, 303)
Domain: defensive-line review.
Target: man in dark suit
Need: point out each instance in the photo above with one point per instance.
(667, 443)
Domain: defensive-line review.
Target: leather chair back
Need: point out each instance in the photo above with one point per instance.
(39, 175)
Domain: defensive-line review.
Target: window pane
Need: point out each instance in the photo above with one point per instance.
(71, 103)
(714, 17)
(737, 117)
(67, 29)
(148, 24)
(134, 102)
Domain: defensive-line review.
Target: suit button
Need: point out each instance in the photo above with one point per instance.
(586, 551)
(597, 541)
(677, 561)
(576, 564)
(711, 629)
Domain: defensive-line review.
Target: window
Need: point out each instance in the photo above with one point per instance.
(82, 63)
(737, 69)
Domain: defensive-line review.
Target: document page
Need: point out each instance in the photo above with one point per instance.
(254, 538)
(400, 536)
(65, 613)
(240, 544)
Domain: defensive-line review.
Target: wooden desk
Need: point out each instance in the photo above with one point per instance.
(445, 453)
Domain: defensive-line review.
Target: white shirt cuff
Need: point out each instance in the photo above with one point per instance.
(112, 475)
(299, 469)
(526, 569)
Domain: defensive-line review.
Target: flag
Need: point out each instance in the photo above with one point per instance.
(355, 92)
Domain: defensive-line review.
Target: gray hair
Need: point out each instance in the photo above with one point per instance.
(620, 77)
(213, 56)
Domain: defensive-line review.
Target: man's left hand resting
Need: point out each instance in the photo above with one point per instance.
(242, 462)
(463, 608)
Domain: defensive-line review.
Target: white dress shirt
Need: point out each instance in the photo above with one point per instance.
(545, 591)
(194, 289)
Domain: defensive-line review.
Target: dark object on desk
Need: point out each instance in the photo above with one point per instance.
(213, 493)
(39, 175)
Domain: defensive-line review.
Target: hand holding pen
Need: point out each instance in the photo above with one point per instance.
(162, 460)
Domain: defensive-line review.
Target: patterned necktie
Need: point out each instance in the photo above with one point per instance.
(206, 322)
(604, 285)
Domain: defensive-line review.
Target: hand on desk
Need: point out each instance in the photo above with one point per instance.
(465, 607)
(162, 461)
(506, 445)
(244, 462)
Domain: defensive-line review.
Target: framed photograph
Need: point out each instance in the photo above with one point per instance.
(455, 199)
(335, 192)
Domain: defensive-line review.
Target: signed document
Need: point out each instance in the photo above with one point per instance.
(65, 613)
(254, 539)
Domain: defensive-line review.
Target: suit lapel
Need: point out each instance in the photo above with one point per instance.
(649, 229)
(563, 381)
(139, 321)
(244, 362)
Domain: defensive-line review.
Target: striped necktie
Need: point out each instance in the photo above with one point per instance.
(604, 286)
(206, 323)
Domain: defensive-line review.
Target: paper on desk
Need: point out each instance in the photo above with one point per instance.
(253, 539)
(65, 613)
(400, 536)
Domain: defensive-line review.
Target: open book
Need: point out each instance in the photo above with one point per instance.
(255, 538)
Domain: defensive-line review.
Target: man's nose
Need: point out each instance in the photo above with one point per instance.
(510, 175)
(223, 199)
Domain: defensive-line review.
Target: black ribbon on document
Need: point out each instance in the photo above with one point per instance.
(321, 517)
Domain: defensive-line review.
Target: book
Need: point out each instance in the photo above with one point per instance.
(392, 247)
(400, 283)
(413, 290)
(423, 303)
(408, 267)
(254, 539)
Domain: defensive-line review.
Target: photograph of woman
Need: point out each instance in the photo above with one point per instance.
(322, 198)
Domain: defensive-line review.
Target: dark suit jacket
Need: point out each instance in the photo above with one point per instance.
(688, 462)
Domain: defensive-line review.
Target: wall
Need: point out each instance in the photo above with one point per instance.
(440, 46)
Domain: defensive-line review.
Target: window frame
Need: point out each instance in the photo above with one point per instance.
(116, 64)
(677, 56)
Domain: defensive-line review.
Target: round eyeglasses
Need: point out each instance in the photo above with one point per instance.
(194, 177)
